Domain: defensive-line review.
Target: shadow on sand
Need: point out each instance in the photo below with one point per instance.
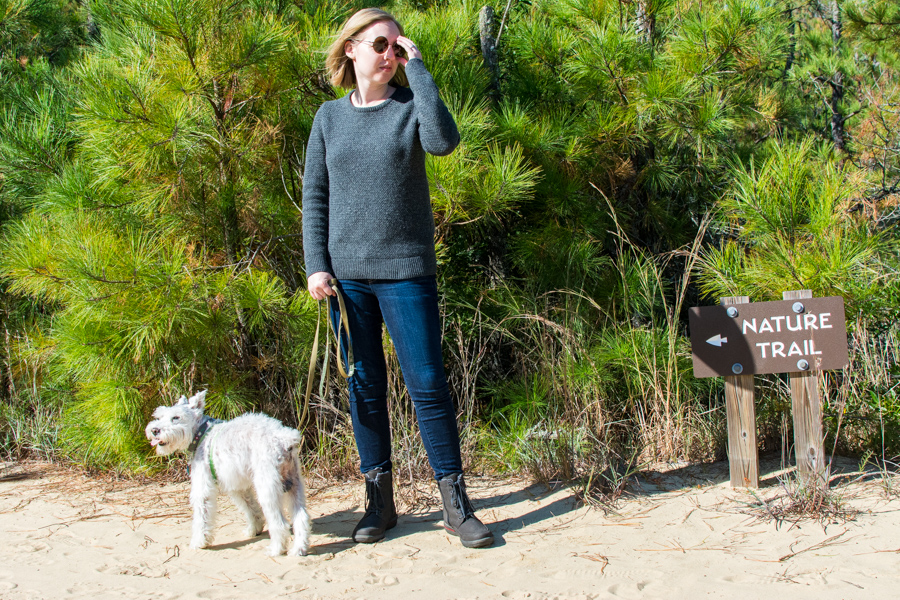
(339, 525)
(773, 472)
(648, 483)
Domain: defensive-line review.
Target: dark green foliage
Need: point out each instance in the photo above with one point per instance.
(151, 158)
(41, 29)
(789, 227)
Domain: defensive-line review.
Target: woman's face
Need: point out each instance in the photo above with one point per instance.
(370, 66)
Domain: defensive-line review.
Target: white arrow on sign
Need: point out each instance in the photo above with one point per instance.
(717, 340)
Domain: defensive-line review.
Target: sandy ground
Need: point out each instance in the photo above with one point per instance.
(684, 533)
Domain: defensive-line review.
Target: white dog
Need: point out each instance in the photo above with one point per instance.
(251, 452)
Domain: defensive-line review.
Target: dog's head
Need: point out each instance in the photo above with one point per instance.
(173, 427)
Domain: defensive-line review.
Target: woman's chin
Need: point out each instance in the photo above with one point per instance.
(385, 75)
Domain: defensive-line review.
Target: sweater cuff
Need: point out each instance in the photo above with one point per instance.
(317, 265)
(416, 70)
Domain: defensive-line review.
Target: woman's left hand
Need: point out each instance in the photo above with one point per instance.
(411, 50)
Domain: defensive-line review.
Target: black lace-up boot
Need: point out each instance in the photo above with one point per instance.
(381, 514)
(459, 516)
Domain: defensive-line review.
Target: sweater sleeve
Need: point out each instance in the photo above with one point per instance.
(315, 202)
(437, 129)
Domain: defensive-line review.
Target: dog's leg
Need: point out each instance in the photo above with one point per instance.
(203, 500)
(269, 489)
(296, 501)
(246, 502)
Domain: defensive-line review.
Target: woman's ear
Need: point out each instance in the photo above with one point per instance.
(349, 49)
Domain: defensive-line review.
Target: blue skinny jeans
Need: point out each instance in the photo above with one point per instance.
(409, 309)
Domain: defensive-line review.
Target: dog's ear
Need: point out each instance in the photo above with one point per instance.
(198, 400)
(182, 400)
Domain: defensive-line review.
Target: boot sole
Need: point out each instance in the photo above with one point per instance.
(371, 539)
(479, 543)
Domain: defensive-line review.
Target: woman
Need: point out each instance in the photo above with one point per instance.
(367, 221)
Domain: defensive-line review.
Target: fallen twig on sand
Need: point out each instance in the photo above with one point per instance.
(820, 545)
(897, 551)
(596, 558)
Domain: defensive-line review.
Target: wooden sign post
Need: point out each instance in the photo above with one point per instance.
(740, 413)
(799, 335)
(809, 442)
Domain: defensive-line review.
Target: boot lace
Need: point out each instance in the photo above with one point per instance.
(374, 501)
(460, 499)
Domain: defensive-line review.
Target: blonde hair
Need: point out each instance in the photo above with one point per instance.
(339, 66)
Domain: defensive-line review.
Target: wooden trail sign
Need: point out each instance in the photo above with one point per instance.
(800, 335)
(788, 336)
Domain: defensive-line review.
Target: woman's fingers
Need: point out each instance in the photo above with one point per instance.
(411, 50)
(318, 286)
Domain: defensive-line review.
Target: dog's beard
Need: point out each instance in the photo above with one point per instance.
(171, 441)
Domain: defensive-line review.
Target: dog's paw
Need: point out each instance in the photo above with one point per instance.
(274, 550)
(299, 551)
(200, 544)
(252, 531)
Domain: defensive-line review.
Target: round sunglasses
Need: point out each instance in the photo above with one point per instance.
(380, 45)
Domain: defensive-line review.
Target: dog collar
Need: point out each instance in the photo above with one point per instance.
(206, 423)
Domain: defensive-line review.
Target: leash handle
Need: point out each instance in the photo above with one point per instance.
(345, 324)
(351, 367)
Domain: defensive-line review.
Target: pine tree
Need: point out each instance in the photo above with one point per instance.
(163, 246)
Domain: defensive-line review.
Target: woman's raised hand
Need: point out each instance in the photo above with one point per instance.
(411, 50)
(318, 286)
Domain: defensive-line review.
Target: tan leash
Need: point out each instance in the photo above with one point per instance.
(345, 373)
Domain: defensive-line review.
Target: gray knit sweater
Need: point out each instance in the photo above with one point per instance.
(366, 208)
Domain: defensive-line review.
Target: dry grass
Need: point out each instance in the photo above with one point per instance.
(807, 499)
(606, 487)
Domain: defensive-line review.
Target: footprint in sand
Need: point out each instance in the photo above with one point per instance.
(34, 546)
(97, 590)
(387, 580)
(325, 575)
(575, 574)
(636, 574)
(294, 588)
(462, 572)
(523, 595)
(392, 553)
(748, 578)
(216, 594)
(642, 590)
(142, 569)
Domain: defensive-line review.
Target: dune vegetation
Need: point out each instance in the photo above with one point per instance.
(621, 161)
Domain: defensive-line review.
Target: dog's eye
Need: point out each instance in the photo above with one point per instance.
(175, 419)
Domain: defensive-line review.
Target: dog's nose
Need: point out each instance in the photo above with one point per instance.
(154, 431)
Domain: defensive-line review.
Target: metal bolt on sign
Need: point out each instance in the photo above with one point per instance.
(737, 368)
(732, 312)
(798, 307)
(802, 364)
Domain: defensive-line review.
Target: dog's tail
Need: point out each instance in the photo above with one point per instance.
(289, 440)
(296, 504)
(295, 490)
